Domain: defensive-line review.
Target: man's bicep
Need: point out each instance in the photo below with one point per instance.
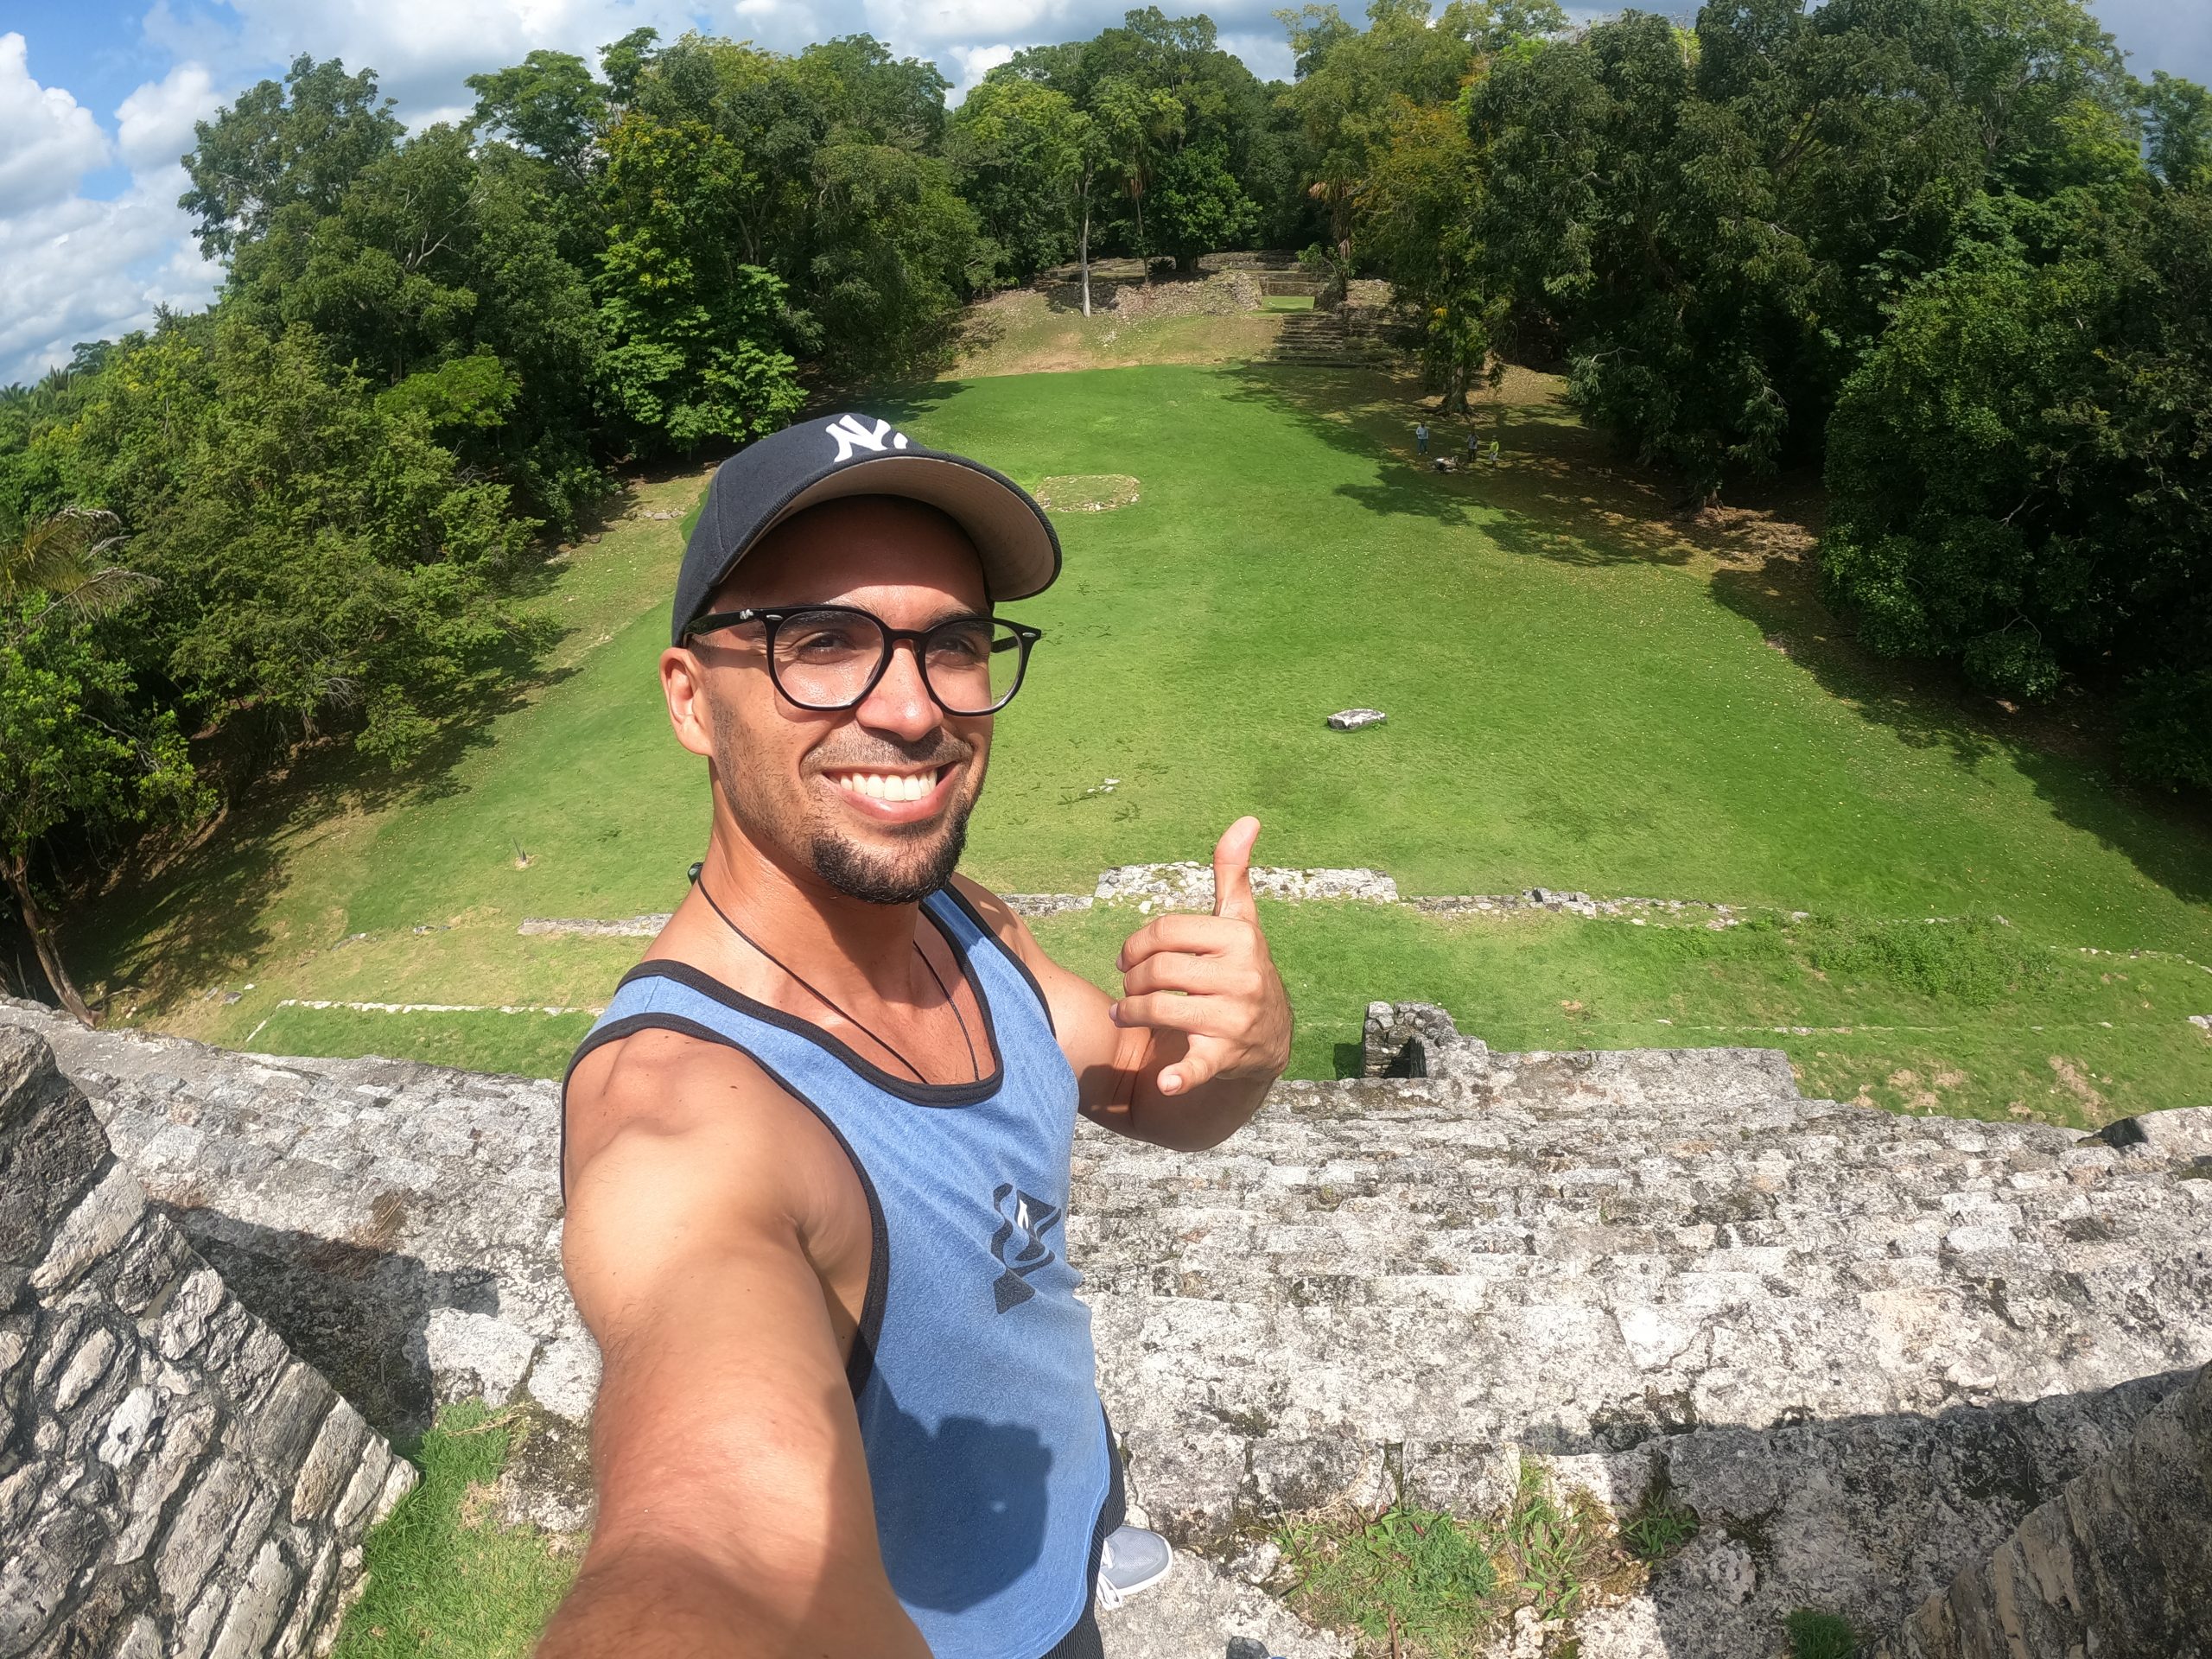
(724, 1427)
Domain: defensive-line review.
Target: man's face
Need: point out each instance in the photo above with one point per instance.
(826, 793)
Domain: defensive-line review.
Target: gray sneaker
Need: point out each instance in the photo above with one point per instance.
(1134, 1561)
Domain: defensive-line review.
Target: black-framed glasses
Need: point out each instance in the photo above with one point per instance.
(827, 658)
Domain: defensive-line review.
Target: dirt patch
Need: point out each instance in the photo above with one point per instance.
(1026, 332)
(2076, 1083)
(1088, 492)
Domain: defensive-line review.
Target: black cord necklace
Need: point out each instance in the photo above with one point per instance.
(973, 1066)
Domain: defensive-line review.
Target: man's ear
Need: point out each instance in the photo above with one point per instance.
(682, 683)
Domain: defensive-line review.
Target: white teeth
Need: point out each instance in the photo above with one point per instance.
(888, 786)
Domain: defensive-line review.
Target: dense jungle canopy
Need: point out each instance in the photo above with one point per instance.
(1950, 250)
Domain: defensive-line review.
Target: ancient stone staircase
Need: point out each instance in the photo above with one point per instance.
(1328, 339)
(1862, 1347)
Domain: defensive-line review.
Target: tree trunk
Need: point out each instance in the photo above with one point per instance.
(1085, 253)
(42, 932)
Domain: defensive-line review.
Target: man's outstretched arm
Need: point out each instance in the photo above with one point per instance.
(734, 1516)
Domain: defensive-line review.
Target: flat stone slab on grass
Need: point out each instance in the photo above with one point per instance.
(1350, 719)
(1088, 492)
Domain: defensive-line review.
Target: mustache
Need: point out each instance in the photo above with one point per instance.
(939, 749)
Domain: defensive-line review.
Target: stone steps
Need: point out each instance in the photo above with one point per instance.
(1867, 1342)
(1325, 339)
(1862, 1346)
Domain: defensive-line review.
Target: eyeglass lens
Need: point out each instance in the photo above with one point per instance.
(824, 659)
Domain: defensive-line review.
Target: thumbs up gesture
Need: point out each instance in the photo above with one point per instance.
(1206, 986)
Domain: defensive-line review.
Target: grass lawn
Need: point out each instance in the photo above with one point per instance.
(1584, 689)
(446, 1580)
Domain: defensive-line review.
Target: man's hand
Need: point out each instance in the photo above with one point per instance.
(1206, 986)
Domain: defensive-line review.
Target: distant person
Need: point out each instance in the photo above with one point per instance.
(1420, 437)
(1474, 445)
(815, 1152)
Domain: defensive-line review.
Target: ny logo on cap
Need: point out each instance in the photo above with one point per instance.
(851, 435)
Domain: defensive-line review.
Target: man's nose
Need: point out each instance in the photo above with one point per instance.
(900, 704)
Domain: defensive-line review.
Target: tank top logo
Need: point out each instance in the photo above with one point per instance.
(1019, 1244)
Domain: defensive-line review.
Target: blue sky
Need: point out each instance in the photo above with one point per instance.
(97, 99)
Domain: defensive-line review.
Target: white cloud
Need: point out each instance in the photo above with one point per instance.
(154, 125)
(422, 50)
(970, 65)
(48, 141)
(80, 269)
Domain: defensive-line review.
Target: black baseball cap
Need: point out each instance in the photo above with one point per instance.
(823, 459)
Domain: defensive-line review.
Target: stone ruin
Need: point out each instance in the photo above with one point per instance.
(1932, 1374)
(173, 1479)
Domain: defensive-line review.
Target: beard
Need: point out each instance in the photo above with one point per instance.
(897, 879)
(924, 862)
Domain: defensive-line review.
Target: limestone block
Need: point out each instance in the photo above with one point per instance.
(476, 1356)
(161, 1429)
(2118, 1563)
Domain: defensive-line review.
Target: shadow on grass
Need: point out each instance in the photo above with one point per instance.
(1556, 493)
(2066, 753)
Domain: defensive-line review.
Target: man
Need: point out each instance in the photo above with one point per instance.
(1420, 437)
(817, 1153)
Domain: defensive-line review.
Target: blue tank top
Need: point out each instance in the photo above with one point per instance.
(972, 1370)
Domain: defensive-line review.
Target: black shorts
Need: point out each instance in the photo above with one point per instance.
(1083, 1642)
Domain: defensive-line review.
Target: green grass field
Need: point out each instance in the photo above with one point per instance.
(1584, 691)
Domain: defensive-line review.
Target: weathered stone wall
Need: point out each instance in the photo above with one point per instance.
(2120, 1562)
(174, 1481)
(1862, 1347)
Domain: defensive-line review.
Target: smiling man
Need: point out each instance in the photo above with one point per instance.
(817, 1153)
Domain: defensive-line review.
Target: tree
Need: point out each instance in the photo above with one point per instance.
(68, 558)
(74, 749)
(327, 568)
(1154, 87)
(2179, 116)
(1390, 159)
(895, 247)
(1020, 151)
(690, 327)
(302, 142)
(431, 259)
(2017, 470)
(547, 107)
(1136, 123)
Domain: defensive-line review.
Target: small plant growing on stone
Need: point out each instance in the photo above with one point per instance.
(1554, 1551)
(1815, 1635)
(1420, 1580)
(1659, 1524)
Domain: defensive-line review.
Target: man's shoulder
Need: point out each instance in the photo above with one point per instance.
(670, 1090)
(996, 913)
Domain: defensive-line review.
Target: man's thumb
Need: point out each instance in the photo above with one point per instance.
(1232, 871)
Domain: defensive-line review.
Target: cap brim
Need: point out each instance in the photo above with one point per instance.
(1020, 550)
